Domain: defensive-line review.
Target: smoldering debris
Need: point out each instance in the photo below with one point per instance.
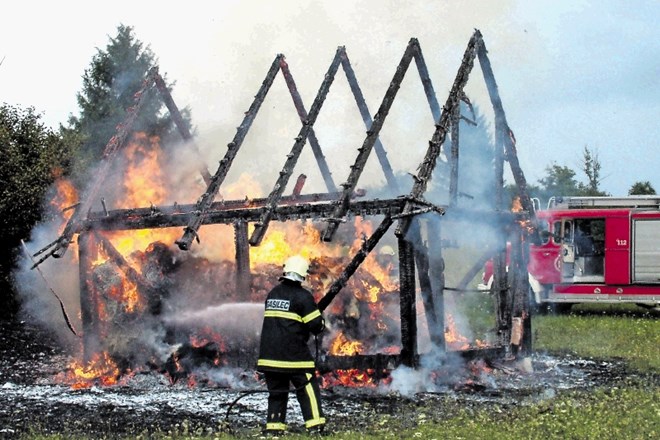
(147, 402)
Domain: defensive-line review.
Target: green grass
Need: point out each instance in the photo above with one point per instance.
(603, 331)
(619, 413)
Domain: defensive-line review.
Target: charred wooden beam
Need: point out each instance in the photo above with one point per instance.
(302, 114)
(355, 263)
(87, 253)
(437, 140)
(370, 140)
(422, 264)
(500, 287)
(380, 361)
(521, 325)
(503, 300)
(506, 134)
(242, 258)
(427, 84)
(426, 289)
(225, 205)
(376, 362)
(292, 157)
(366, 117)
(116, 142)
(175, 114)
(206, 200)
(407, 309)
(437, 276)
(453, 176)
(172, 217)
(297, 189)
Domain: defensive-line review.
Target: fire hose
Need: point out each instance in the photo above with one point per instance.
(257, 391)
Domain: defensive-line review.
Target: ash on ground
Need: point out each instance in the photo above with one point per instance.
(31, 400)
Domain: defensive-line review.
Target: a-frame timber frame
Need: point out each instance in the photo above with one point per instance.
(513, 317)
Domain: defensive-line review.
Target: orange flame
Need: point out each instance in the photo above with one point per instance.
(100, 370)
(352, 378)
(526, 224)
(453, 338)
(144, 181)
(145, 184)
(364, 228)
(342, 346)
(66, 196)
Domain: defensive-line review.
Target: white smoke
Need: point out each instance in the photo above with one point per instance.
(230, 320)
(39, 303)
(408, 381)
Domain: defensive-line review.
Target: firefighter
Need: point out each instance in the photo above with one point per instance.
(290, 316)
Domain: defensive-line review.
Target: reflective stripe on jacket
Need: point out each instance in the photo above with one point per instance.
(290, 316)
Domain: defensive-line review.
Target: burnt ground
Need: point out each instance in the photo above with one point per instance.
(31, 399)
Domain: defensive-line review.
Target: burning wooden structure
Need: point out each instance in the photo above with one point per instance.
(420, 258)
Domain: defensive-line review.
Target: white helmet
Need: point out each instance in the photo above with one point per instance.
(295, 268)
(387, 250)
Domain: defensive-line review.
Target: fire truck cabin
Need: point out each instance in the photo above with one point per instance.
(597, 249)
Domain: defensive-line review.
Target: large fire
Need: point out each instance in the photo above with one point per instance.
(364, 321)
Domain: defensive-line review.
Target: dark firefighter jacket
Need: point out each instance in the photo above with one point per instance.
(290, 316)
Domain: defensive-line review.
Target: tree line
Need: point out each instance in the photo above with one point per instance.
(33, 156)
(561, 180)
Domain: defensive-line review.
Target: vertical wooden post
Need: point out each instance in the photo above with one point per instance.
(242, 258)
(87, 253)
(425, 284)
(500, 286)
(503, 298)
(437, 275)
(526, 349)
(407, 303)
(521, 328)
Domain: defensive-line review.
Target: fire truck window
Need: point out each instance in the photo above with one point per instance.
(544, 231)
(584, 242)
(597, 227)
(590, 236)
(556, 232)
(568, 232)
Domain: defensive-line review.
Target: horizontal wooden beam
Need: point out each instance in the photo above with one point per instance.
(178, 215)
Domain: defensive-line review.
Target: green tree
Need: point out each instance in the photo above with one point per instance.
(109, 87)
(641, 188)
(559, 181)
(31, 157)
(591, 166)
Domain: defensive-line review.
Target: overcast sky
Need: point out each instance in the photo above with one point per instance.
(571, 73)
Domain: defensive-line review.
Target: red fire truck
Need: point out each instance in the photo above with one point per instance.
(595, 249)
